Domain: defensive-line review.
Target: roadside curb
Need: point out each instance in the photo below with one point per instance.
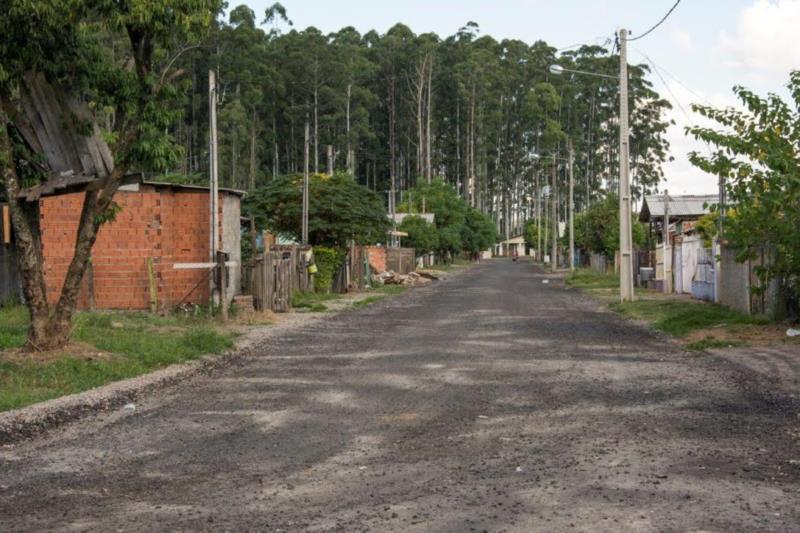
(35, 419)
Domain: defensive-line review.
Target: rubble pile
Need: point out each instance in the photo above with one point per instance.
(413, 279)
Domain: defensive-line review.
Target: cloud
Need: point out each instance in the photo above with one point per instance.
(682, 40)
(681, 176)
(764, 43)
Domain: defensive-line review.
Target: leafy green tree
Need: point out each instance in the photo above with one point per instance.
(756, 158)
(340, 210)
(133, 91)
(422, 236)
(478, 233)
(597, 228)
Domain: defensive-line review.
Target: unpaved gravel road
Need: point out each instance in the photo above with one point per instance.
(486, 402)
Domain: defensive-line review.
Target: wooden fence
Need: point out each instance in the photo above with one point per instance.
(401, 260)
(272, 277)
(354, 272)
(10, 287)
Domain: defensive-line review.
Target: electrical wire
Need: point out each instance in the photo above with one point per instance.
(657, 70)
(659, 23)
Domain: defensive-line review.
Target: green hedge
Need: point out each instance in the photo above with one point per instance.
(328, 261)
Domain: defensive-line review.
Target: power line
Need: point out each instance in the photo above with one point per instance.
(657, 70)
(659, 23)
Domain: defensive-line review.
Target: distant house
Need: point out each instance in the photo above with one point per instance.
(684, 212)
(510, 246)
(400, 217)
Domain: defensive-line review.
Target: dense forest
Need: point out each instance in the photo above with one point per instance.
(399, 108)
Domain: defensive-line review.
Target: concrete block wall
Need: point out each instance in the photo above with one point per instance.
(377, 258)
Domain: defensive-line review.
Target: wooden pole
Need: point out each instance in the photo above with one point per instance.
(152, 286)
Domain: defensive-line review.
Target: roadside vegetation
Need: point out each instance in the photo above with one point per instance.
(699, 325)
(104, 347)
(316, 302)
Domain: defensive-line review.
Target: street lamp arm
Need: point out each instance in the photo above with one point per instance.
(558, 69)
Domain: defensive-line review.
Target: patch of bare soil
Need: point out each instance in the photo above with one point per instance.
(74, 350)
(749, 334)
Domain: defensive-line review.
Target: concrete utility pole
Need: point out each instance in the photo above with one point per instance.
(554, 202)
(571, 208)
(539, 254)
(625, 237)
(213, 167)
(667, 256)
(304, 230)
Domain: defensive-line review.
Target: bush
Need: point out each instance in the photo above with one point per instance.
(328, 261)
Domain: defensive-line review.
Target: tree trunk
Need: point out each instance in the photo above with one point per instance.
(347, 114)
(316, 129)
(428, 167)
(253, 164)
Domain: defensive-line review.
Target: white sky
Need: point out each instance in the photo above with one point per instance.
(703, 50)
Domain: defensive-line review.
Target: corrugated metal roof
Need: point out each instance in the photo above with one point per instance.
(400, 217)
(679, 206)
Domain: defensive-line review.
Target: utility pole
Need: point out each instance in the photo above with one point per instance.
(554, 203)
(571, 208)
(625, 237)
(666, 246)
(213, 167)
(304, 230)
(539, 254)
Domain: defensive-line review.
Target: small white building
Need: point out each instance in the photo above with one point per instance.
(507, 247)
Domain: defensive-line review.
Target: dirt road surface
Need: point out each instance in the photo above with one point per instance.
(487, 402)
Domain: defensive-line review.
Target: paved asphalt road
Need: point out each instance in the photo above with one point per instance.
(489, 401)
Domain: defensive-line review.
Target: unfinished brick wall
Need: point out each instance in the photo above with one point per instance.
(165, 224)
(377, 258)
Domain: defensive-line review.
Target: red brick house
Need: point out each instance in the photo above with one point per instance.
(163, 223)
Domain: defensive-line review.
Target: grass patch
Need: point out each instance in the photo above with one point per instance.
(711, 342)
(309, 300)
(592, 279)
(679, 317)
(454, 265)
(13, 326)
(369, 300)
(114, 346)
(390, 289)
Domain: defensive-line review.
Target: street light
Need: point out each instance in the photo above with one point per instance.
(625, 233)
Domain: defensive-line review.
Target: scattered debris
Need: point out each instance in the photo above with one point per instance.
(546, 281)
(482, 416)
(519, 469)
(129, 407)
(393, 278)
(432, 274)
(793, 332)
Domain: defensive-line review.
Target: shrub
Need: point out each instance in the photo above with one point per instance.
(328, 261)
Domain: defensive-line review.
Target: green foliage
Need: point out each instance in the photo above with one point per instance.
(421, 235)
(478, 233)
(756, 157)
(458, 227)
(340, 210)
(531, 233)
(681, 317)
(328, 261)
(707, 227)
(597, 228)
(592, 279)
